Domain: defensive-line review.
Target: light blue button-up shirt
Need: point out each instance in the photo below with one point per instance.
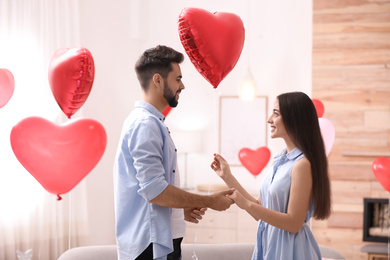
(144, 166)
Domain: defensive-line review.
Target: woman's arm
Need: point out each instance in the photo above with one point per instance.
(300, 195)
(221, 167)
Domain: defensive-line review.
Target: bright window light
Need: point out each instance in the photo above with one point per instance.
(20, 193)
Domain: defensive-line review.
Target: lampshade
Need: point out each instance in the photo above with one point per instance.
(247, 90)
(187, 141)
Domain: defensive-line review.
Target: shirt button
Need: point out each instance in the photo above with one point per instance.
(175, 150)
(173, 170)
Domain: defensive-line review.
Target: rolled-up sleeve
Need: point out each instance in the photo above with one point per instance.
(146, 148)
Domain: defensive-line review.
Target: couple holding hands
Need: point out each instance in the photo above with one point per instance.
(151, 209)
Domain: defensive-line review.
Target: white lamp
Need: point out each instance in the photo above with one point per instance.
(187, 142)
(247, 91)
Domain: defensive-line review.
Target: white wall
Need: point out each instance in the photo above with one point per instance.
(277, 49)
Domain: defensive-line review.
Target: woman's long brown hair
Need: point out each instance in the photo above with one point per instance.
(301, 122)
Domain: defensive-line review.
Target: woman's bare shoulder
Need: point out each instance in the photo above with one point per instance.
(302, 167)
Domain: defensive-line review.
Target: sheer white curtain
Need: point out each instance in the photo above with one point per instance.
(30, 217)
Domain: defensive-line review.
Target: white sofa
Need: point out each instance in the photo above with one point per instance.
(202, 251)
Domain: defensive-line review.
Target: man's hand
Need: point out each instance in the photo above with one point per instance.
(220, 200)
(194, 214)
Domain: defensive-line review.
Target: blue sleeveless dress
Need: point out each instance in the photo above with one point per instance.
(274, 243)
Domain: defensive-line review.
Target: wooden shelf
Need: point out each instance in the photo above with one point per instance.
(365, 154)
(211, 187)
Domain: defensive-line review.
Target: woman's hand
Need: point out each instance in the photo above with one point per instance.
(240, 200)
(220, 166)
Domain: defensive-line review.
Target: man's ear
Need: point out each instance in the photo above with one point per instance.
(157, 80)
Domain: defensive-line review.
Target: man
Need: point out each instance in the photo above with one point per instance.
(145, 174)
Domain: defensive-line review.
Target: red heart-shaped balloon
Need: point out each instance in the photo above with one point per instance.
(254, 161)
(381, 170)
(166, 110)
(7, 86)
(58, 156)
(212, 41)
(71, 75)
(319, 107)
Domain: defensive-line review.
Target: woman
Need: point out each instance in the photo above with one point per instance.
(296, 187)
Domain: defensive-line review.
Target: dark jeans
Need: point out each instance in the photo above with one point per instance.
(147, 254)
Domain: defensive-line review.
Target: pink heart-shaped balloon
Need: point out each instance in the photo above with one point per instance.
(71, 75)
(7, 86)
(381, 170)
(212, 41)
(254, 160)
(58, 156)
(328, 133)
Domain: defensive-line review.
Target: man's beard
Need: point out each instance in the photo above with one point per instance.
(169, 96)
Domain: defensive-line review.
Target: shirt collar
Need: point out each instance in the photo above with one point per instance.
(154, 111)
(294, 153)
(291, 155)
(283, 152)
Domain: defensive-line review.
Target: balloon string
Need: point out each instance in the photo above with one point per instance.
(217, 92)
(194, 257)
(70, 217)
(56, 231)
(217, 122)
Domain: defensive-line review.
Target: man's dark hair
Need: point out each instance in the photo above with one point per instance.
(156, 60)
